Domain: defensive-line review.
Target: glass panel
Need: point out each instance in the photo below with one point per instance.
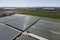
(23, 22)
(7, 33)
(8, 18)
(47, 29)
(25, 37)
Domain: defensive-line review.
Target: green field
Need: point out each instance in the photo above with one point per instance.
(44, 14)
(1, 13)
(40, 14)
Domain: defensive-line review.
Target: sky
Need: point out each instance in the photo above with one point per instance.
(29, 3)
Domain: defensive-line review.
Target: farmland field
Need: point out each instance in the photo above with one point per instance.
(40, 14)
(43, 14)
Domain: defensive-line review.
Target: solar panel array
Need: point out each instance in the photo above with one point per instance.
(12, 27)
(47, 29)
(23, 22)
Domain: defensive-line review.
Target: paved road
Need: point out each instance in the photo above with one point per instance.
(40, 28)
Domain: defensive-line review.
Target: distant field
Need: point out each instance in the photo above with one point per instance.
(1, 13)
(43, 14)
(40, 14)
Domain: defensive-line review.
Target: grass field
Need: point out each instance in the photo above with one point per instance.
(44, 14)
(40, 14)
(1, 13)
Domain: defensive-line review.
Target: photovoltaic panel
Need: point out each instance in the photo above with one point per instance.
(51, 25)
(8, 18)
(25, 37)
(46, 28)
(7, 33)
(23, 22)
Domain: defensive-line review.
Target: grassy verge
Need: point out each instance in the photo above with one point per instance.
(44, 14)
